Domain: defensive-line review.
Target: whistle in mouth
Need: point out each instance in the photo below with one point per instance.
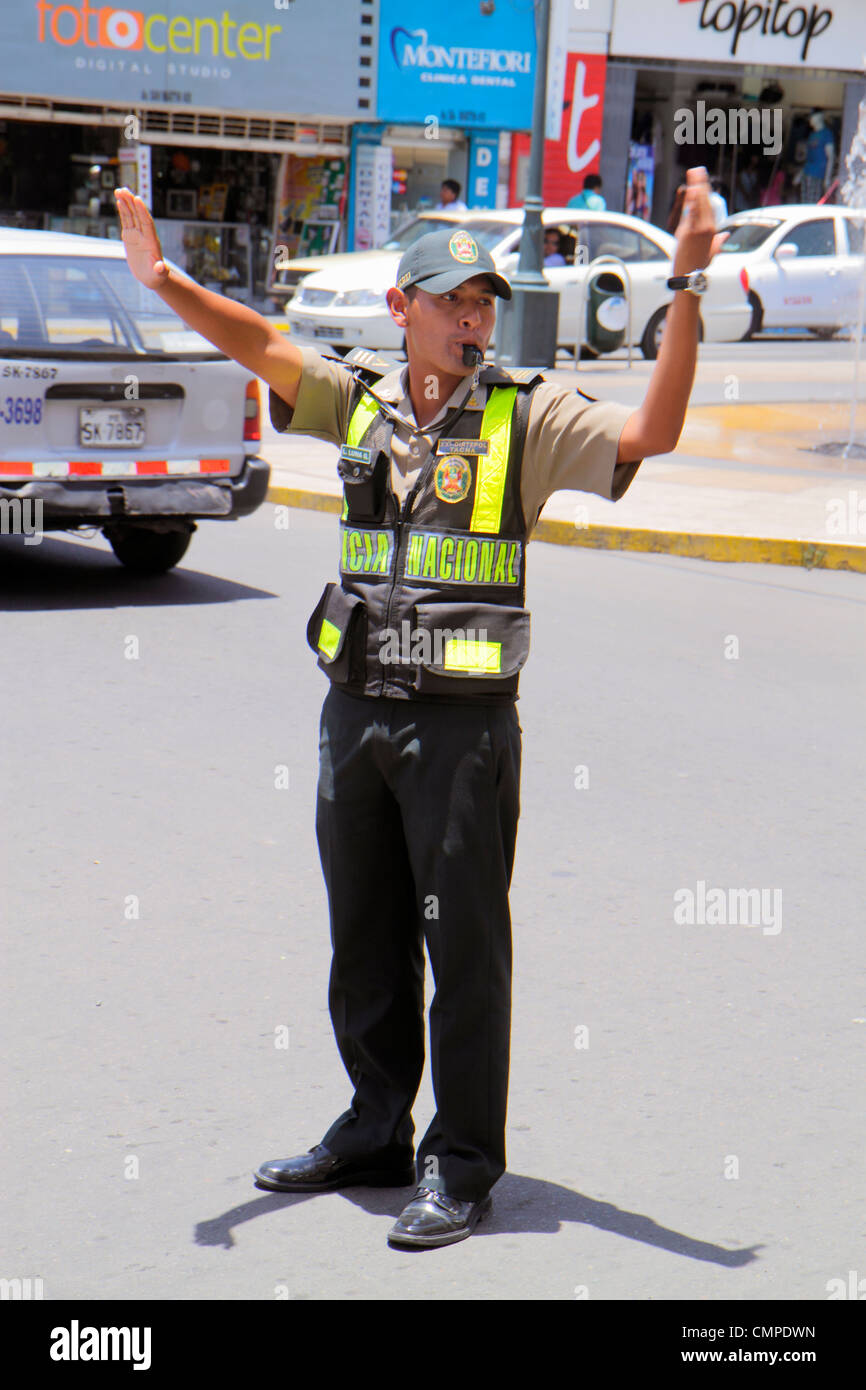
(472, 356)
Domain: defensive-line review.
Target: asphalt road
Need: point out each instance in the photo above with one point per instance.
(164, 916)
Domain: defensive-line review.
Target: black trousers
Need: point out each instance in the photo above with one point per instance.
(416, 821)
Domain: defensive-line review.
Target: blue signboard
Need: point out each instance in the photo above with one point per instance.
(483, 169)
(456, 66)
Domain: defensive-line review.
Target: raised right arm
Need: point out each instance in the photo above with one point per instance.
(236, 330)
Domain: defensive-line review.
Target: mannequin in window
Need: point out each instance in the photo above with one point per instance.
(814, 177)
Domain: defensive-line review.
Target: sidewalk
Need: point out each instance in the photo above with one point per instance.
(747, 482)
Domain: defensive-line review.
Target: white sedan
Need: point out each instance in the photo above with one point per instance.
(802, 265)
(343, 304)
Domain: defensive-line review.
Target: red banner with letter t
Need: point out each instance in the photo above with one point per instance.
(577, 152)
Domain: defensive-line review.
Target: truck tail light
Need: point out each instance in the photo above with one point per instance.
(252, 424)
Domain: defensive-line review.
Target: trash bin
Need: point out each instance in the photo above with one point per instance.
(606, 311)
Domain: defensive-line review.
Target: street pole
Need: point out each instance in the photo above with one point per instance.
(526, 327)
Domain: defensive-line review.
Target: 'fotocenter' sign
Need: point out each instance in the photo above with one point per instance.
(781, 33)
(238, 55)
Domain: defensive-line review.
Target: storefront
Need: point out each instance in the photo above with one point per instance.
(195, 108)
(56, 175)
(579, 112)
(735, 87)
(399, 171)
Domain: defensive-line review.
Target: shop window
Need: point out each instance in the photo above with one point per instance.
(813, 238)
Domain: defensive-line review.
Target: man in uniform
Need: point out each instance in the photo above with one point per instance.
(446, 467)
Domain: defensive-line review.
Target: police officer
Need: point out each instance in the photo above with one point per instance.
(446, 465)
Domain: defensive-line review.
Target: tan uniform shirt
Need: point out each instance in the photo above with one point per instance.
(571, 443)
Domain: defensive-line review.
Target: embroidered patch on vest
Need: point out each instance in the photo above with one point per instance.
(452, 479)
(365, 550)
(454, 558)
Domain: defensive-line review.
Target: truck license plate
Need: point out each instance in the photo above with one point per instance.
(110, 428)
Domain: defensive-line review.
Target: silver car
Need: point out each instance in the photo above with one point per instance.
(112, 412)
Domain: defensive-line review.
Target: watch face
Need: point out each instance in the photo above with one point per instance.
(699, 282)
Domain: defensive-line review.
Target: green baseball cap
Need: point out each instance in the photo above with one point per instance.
(440, 261)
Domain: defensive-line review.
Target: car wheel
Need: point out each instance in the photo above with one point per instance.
(757, 317)
(146, 551)
(824, 332)
(652, 336)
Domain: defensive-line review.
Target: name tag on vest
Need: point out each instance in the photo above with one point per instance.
(355, 455)
(463, 446)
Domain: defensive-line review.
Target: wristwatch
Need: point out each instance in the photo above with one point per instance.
(695, 282)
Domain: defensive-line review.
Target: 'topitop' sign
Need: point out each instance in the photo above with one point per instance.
(784, 33)
(459, 66)
(231, 54)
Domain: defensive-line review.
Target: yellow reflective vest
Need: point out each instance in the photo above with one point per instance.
(430, 599)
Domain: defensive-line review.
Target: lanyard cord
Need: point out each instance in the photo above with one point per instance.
(398, 419)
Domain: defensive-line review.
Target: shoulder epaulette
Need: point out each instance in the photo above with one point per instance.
(511, 376)
(371, 364)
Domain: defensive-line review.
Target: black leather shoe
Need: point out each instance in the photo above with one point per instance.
(433, 1218)
(319, 1170)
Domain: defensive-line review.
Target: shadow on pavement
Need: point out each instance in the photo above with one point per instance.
(521, 1205)
(60, 574)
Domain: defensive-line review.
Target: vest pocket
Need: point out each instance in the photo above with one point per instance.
(337, 633)
(476, 647)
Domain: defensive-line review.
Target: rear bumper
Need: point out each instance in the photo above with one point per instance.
(79, 502)
(359, 330)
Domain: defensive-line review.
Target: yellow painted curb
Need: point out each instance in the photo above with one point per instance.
(742, 550)
(310, 501)
(699, 545)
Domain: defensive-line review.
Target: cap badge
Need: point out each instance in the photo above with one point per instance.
(452, 479)
(463, 248)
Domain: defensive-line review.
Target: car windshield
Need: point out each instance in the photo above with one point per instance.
(488, 233)
(748, 236)
(83, 306)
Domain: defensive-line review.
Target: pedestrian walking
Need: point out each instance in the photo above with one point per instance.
(590, 196)
(446, 465)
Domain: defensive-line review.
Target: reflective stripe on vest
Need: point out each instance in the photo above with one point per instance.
(363, 416)
(491, 468)
(329, 639)
(469, 655)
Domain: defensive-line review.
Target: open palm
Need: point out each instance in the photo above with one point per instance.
(140, 241)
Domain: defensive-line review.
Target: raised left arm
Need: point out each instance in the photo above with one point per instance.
(655, 427)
